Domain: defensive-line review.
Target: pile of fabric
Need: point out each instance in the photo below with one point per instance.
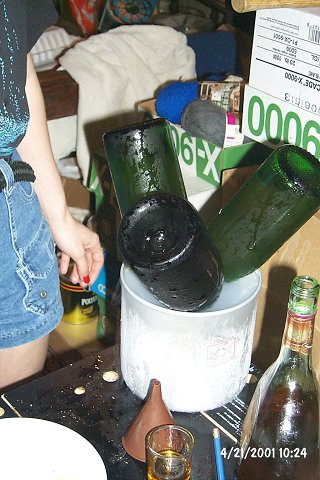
(115, 71)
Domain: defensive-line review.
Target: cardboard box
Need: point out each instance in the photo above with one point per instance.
(273, 122)
(77, 195)
(285, 60)
(205, 160)
(200, 159)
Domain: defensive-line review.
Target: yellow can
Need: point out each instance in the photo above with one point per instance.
(80, 305)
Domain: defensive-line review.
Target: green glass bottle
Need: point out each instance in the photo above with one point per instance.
(164, 241)
(143, 161)
(267, 210)
(280, 435)
(108, 322)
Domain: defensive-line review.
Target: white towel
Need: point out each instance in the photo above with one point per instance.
(118, 69)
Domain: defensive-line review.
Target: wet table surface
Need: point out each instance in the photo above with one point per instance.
(103, 413)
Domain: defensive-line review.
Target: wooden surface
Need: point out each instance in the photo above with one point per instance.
(243, 6)
(60, 93)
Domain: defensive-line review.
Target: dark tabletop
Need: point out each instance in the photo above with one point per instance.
(105, 411)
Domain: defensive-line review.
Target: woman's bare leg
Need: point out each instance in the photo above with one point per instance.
(19, 363)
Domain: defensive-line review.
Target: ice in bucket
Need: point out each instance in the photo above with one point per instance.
(201, 358)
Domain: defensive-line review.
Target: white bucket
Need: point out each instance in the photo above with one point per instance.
(201, 358)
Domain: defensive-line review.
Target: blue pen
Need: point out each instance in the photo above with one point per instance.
(217, 453)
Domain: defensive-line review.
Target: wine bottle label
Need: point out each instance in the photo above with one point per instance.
(298, 332)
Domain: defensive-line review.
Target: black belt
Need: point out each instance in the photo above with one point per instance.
(22, 172)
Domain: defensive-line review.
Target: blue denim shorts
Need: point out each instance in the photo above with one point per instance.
(30, 299)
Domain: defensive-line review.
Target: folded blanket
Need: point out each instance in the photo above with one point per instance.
(116, 70)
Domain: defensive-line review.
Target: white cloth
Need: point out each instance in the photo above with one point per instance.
(118, 69)
(63, 136)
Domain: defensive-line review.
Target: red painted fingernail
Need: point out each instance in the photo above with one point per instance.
(86, 279)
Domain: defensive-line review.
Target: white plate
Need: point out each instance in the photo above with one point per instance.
(34, 449)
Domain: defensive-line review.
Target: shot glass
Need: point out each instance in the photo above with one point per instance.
(169, 453)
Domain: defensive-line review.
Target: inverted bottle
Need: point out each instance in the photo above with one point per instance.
(282, 422)
(164, 241)
(267, 210)
(143, 161)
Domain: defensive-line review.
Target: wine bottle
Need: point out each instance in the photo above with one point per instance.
(108, 322)
(143, 161)
(267, 210)
(280, 434)
(164, 241)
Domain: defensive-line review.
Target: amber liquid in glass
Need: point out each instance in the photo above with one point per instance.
(295, 461)
(172, 466)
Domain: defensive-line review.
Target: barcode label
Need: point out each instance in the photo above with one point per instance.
(314, 34)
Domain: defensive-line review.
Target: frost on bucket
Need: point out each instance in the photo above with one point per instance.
(201, 358)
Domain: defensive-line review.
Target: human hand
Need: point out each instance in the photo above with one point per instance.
(77, 242)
